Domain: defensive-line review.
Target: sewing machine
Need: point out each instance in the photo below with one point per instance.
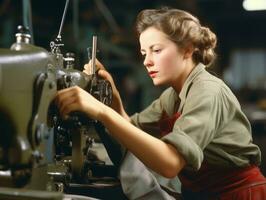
(43, 156)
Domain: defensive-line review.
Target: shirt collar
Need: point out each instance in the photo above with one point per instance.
(193, 74)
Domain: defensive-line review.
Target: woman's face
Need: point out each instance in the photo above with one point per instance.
(165, 63)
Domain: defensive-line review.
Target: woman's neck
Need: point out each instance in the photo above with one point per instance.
(189, 66)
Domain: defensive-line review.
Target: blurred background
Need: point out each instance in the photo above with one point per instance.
(240, 26)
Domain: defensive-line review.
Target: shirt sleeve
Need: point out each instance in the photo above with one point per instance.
(197, 125)
(148, 119)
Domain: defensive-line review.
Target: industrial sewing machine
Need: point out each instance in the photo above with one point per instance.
(42, 155)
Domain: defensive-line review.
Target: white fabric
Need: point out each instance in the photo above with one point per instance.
(138, 183)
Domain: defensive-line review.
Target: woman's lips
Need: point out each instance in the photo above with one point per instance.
(153, 74)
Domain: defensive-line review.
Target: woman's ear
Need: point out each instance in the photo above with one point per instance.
(188, 51)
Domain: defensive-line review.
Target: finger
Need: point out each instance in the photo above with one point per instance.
(68, 109)
(66, 90)
(99, 65)
(66, 105)
(64, 94)
(104, 74)
(86, 72)
(88, 69)
(69, 99)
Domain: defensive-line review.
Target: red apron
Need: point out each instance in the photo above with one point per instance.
(224, 184)
(213, 183)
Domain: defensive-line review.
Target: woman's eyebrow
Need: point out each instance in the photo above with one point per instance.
(150, 47)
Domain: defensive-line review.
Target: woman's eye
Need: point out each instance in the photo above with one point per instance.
(156, 50)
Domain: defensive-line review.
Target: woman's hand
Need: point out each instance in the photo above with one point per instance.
(117, 104)
(76, 99)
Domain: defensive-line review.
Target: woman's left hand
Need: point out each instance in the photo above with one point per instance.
(117, 104)
(76, 99)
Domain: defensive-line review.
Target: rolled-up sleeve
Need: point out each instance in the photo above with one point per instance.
(190, 151)
(197, 125)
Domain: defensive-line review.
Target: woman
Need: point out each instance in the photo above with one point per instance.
(195, 130)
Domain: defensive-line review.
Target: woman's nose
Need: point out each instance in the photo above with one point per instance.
(148, 61)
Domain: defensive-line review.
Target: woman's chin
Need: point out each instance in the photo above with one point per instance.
(157, 82)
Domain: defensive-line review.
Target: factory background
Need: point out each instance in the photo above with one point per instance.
(241, 48)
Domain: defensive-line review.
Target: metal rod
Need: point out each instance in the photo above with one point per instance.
(63, 19)
(93, 54)
(27, 18)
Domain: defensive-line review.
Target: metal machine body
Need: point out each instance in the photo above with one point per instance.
(34, 140)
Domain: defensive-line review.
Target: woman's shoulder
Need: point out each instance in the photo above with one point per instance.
(209, 85)
(207, 82)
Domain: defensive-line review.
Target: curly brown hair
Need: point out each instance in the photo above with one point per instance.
(183, 29)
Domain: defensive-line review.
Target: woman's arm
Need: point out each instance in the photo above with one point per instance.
(154, 153)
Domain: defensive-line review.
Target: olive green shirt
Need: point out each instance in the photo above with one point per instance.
(212, 125)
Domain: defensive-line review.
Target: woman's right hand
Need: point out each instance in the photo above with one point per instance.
(117, 104)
